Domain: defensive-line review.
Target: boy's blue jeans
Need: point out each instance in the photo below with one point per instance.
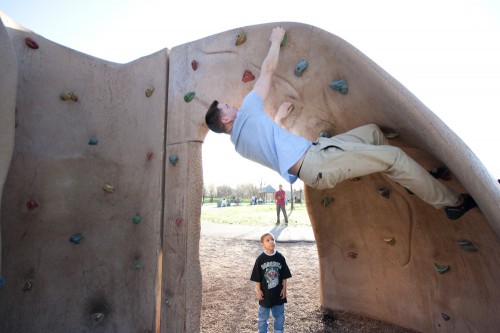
(278, 315)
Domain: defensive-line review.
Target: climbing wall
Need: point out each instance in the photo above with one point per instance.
(82, 206)
(100, 214)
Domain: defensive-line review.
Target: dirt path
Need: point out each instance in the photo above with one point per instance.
(229, 302)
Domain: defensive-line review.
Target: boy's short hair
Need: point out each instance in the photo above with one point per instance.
(213, 118)
(264, 236)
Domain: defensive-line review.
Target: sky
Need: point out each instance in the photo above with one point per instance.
(445, 52)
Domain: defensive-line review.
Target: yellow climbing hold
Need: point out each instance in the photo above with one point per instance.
(240, 38)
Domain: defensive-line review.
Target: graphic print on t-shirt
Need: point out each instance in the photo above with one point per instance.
(271, 273)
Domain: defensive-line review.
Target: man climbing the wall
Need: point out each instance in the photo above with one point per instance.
(328, 161)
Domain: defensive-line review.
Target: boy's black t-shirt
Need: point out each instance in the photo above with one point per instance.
(270, 270)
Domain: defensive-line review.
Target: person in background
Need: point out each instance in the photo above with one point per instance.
(280, 198)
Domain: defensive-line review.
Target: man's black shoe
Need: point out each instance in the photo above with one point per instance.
(455, 212)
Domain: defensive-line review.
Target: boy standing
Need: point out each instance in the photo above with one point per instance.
(270, 273)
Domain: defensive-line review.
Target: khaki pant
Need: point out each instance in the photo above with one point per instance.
(363, 151)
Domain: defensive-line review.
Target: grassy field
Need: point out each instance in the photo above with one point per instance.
(264, 214)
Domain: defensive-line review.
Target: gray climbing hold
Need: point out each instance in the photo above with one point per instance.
(385, 192)
(301, 67)
(173, 159)
(466, 245)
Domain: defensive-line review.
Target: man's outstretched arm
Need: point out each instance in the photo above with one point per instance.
(263, 84)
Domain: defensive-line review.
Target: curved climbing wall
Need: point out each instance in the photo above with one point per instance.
(101, 207)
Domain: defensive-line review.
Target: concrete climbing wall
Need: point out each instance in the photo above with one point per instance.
(82, 210)
(383, 253)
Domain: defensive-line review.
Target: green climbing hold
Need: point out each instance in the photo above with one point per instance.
(340, 86)
(466, 245)
(441, 269)
(137, 219)
(137, 264)
(283, 42)
(327, 201)
(301, 67)
(189, 96)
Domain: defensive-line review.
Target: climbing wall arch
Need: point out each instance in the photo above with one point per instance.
(383, 252)
(101, 214)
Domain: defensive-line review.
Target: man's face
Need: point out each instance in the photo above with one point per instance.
(228, 112)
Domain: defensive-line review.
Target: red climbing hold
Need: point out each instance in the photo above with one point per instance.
(31, 43)
(247, 76)
(149, 156)
(194, 65)
(352, 255)
(178, 221)
(32, 204)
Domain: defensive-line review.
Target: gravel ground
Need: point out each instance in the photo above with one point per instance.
(230, 305)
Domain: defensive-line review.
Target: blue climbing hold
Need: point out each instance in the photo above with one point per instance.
(93, 141)
(2, 282)
(340, 86)
(76, 238)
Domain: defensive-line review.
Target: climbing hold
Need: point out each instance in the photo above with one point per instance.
(189, 96)
(340, 86)
(173, 159)
(194, 65)
(97, 317)
(283, 41)
(137, 219)
(385, 192)
(466, 245)
(137, 264)
(150, 91)
(352, 255)
(327, 201)
(32, 204)
(391, 241)
(27, 286)
(2, 282)
(445, 316)
(93, 141)
(149, 156)
(441, 269)
(301, 67)
(325, 134)
(178, 221)
(441, 172)
(31, 43)
(108, 188)
(76, 238)
(247, 76)
(69, 96)
(240, 38)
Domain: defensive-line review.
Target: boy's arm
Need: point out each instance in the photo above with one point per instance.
(263, 84)
(283, 291)
(260, 294)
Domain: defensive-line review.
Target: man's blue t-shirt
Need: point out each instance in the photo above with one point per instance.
(257, 137)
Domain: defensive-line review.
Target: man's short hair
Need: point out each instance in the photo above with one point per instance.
(213, 118)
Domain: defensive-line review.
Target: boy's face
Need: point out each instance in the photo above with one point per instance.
(268, 244)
